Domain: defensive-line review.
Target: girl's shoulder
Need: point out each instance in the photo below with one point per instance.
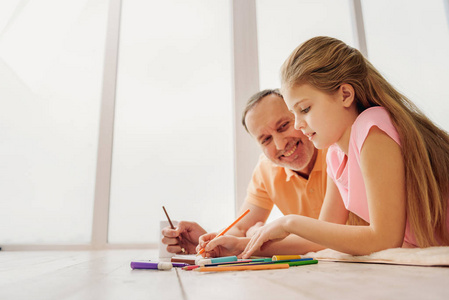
(374, 116)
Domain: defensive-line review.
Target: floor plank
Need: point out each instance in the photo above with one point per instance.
(73, 275)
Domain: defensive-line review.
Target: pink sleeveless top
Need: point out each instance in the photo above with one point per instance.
(348, 177)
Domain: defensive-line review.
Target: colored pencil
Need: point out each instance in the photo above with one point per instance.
(303, 262)
(242, 268)
(187, 268)
(281, 257)
(226, 229)
(173, 227)
(190, 261)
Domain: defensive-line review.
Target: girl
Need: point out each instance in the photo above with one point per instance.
(387, 162)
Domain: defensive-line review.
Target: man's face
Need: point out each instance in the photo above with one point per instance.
(272, 125)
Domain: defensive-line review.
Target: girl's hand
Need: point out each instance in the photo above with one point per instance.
(273, 231)
(204, 240)
(225, 245)
(250, 232)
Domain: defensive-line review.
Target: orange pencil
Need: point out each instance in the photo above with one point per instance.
(242, 268)
(226, 229)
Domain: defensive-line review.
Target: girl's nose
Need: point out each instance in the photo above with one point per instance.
(299, 124)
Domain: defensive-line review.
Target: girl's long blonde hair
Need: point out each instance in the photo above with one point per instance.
(326, 63)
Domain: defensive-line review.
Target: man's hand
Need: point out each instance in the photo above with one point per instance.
(188, 233)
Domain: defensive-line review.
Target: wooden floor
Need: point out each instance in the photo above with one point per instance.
(85, 275)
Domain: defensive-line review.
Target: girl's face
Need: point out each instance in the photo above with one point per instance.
(324, 118)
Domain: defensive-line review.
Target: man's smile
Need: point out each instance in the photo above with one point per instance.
(291, 151)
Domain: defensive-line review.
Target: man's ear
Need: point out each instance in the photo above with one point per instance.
(348, 94)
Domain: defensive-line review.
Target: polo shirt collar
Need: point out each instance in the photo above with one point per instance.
(317, 167)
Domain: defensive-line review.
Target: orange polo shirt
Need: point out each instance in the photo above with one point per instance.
(291, 193)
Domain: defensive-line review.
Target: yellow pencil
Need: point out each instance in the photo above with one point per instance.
(226, 229)
(283, 257)
(242, 268)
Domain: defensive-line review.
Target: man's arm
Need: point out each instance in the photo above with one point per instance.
(256, 214)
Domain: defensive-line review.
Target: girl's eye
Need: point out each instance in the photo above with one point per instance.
(305, 110)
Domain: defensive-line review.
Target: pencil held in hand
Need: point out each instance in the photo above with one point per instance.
(226, 229)
(173, 227)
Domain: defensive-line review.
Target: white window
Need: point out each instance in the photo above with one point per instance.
(51, 61)
(284, 24)
(173, 135)
(408, 41)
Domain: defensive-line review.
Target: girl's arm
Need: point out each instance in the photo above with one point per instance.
(273, 238)
(227, 245)
(333, 210)
(383, 173)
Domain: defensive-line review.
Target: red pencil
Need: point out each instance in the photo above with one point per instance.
(190, 267)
